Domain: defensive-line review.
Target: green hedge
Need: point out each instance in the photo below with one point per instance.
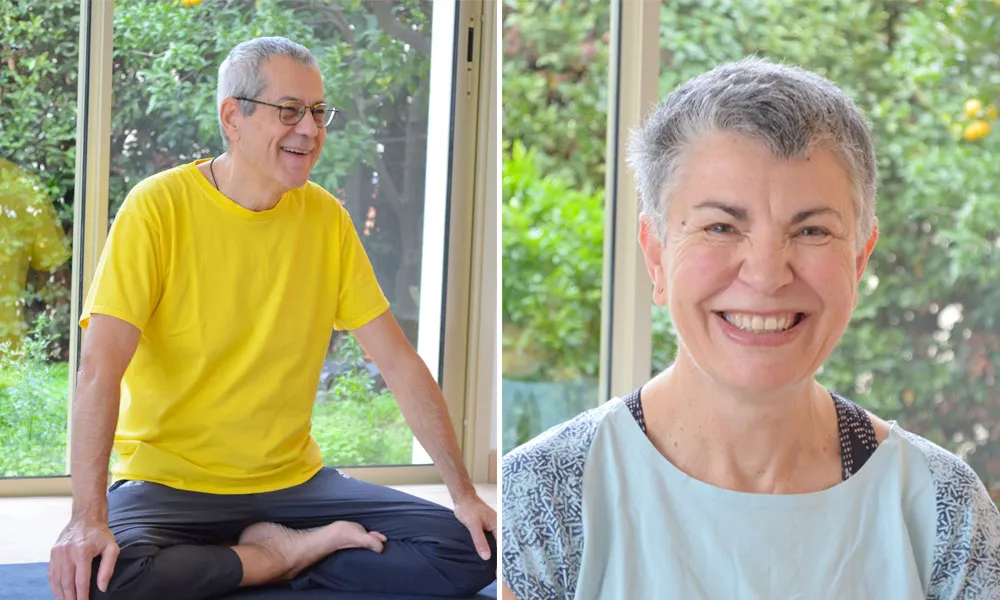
(356, 422)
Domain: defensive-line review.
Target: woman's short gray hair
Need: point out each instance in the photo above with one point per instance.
(786, 108)
(240, 74)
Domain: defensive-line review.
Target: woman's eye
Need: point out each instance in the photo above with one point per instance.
(813, 232)
(720, 228)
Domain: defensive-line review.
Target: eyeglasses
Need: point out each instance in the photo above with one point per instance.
(291, 112)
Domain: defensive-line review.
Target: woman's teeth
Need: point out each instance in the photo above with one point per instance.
(759, 324)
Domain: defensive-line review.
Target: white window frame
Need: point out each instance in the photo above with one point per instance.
(626, 353)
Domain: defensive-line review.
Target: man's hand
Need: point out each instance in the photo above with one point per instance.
(478, 517)
(71, 558)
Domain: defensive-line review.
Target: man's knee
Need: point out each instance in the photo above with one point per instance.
(126, 573)
(173, 573)
(472, 574)
(486, 573)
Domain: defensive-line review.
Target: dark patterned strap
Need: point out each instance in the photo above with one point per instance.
(857, 435)
(634, 403)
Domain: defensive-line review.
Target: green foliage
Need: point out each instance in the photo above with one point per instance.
(33, 396)
(910, 66)
(38, 64)
(357, 421)
(348, 349)
(356, 424)
(555, 93)
(552, 304)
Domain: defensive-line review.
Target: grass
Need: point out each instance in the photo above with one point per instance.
(355, 423)
(355, 432)
(33, 418)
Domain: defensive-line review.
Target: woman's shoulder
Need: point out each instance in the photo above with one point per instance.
(542, 507)
(967, 536)
(955, 482)
(558, 453)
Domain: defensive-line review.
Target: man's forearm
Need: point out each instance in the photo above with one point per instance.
(95, 415)
(425, 411)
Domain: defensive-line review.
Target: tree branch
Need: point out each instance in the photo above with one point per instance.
(373, 101)
(391, 25)
(385, 182)
(341, 23)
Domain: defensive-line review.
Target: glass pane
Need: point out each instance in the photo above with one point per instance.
(39, 55)
(376, 60)
(555, 77)
(923, 347)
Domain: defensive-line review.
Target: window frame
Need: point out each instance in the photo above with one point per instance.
(626, 353)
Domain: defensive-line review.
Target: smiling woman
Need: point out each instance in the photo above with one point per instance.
(716, 477)
(775, 240)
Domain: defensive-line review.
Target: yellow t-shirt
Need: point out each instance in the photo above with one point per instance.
(236, 310)
(30, 236)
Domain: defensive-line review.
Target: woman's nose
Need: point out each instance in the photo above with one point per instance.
(766, 266)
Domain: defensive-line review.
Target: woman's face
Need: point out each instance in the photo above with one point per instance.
(760, 264)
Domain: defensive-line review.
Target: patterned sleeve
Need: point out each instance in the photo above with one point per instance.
(542, 522)
(967, 547)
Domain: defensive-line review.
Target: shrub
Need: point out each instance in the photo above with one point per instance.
(33, 396)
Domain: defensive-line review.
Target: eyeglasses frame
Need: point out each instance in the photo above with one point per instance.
(334, 111)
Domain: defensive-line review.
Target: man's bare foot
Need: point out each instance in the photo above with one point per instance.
(298, 549)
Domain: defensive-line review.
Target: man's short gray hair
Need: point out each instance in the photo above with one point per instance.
(240, 74)
(786, 108)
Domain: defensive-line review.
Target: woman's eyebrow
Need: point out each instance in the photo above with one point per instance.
(741, 214)
(812, 212)
(738, 213)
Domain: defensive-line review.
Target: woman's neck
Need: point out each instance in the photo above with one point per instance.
(780, 442)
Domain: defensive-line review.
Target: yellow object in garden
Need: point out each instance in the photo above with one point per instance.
(976, 130)
(190, 2)
(973, 107)
(991, 111)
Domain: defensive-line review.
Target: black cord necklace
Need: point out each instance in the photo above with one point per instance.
(214, 182)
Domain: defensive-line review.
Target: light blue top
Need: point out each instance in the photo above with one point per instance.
(591, 509)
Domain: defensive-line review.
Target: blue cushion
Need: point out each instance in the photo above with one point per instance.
(29, 582)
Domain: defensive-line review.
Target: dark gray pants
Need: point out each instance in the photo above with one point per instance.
(175, 544)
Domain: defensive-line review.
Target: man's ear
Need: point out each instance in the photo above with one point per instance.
(229, 114)
(652, 250)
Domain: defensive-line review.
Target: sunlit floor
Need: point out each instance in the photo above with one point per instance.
(29, 526)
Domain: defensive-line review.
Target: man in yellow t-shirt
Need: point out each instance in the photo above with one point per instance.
(207, 326)
(30, 236)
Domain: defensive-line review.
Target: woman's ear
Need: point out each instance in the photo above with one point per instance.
(652, 250)
(866, 253)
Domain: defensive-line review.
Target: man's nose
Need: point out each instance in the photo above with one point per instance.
(307, 126)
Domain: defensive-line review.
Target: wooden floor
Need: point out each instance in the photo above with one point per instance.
(29, 526)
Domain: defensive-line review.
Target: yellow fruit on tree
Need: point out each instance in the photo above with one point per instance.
(190, 2)
(976, 130)
(972, 108)
(991, 112)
